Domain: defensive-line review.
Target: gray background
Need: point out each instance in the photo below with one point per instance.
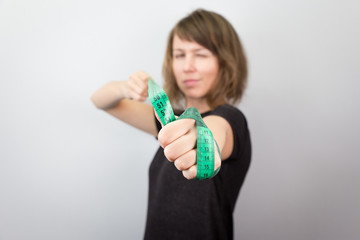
(69, 171)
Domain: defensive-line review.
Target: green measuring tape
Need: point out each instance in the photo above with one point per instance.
(205, 152)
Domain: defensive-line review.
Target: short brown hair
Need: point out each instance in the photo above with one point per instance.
(215, 33)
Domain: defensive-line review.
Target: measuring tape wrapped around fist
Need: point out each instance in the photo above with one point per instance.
(205, 152)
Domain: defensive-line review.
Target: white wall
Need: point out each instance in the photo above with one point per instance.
(69, 171)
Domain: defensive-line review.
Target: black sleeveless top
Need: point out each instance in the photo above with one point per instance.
(191, 209)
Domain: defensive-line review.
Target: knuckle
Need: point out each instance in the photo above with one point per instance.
(185, 174)
(143, 92)
(161, 138)
(143, 75)
(179, 165)
(169, 153)
(189, 174)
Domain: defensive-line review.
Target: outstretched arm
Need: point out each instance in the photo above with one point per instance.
(124, 100)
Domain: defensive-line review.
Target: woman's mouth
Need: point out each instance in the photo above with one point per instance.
(190, 82)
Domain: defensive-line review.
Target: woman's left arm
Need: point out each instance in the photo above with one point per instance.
(222, 133)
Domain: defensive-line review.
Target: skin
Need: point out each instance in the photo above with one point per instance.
(195, 69)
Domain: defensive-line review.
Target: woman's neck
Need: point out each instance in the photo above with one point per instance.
(200, 104)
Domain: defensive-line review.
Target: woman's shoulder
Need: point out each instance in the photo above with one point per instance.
(228, 112)
(238, 123)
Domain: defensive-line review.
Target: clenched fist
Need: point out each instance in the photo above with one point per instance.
(136, 87)
(178, 139)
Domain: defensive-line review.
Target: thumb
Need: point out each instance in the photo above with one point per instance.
(157, 117)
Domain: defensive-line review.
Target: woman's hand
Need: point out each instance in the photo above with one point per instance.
(136, 87)
(178, 139)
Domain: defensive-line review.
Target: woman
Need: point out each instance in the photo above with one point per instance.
(205, 68)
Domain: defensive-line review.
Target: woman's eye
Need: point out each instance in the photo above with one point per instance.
(179, 55)
(201, 55)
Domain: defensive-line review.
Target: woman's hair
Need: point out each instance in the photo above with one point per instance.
(215, 33)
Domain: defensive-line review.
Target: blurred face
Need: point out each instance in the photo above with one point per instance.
(195, 68)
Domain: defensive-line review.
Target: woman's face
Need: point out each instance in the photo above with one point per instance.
(195, 68)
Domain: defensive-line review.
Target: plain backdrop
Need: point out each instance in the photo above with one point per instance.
(70, 171)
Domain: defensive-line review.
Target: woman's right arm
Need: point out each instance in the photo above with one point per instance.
(124, 100)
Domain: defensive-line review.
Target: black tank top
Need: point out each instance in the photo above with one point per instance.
(191, 209)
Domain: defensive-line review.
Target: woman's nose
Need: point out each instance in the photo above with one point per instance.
(189, 64)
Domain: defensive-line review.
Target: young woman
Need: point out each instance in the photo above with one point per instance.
(204, 67)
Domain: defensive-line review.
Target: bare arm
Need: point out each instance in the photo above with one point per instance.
(124, 100)
(222, 133)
